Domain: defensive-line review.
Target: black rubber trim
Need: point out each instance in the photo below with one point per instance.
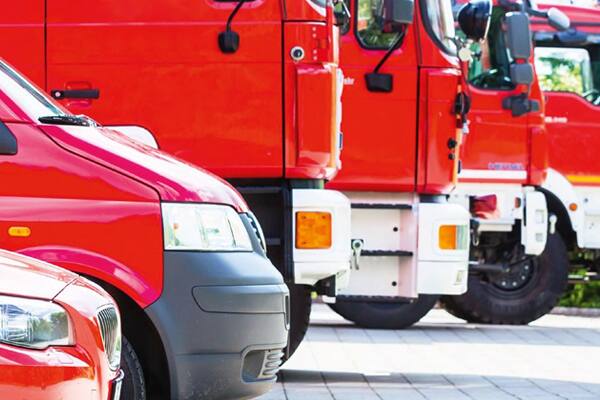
(380, 206)
(378, 299)
(386, 253)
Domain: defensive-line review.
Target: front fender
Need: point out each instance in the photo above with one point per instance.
(562, 189)
(98, 266)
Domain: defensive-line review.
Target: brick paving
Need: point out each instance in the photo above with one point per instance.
(444, 358)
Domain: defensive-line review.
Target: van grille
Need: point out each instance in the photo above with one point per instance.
(110, 328)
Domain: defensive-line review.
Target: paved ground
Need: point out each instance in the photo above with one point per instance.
(443, 358)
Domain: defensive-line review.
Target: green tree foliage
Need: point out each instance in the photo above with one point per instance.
(560, 75)
(582, 295)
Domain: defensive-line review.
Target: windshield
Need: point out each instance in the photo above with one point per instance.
(439, 21)
(566, 70)
(28, 97)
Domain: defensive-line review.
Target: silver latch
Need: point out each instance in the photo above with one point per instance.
(357, 246)
(552, 220)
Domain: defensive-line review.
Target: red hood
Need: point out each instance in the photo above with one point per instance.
(172, 178)
(27, 277)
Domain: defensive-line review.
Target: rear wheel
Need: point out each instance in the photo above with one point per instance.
(385, 315)
(134, 386)
(300, 307)
(528, 290)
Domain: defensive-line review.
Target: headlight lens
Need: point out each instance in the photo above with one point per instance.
(204, 227)
(34, 324)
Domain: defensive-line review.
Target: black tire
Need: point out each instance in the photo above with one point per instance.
(385, 315)
(134, 385)
(300, 307)
(486, 302)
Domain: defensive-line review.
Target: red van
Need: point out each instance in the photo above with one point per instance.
(204, 310)
(60, 335)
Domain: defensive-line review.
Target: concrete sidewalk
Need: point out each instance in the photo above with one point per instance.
(443, 358)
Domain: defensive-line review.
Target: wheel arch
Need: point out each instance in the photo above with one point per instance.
(144, 337)
(560, 194)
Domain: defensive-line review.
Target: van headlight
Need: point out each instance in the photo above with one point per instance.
(34, 324)
(203, 227)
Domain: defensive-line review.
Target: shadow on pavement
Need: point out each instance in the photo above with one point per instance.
(341, 385)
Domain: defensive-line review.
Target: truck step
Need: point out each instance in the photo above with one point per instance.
(386, 253)
(381, 206)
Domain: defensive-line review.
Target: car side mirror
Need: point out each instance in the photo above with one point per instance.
(474, 19)
(395, 14)
(521, 74)
(558, 19)
(518, 35)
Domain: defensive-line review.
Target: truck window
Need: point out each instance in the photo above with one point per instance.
(490, 68)
(563, 69)
(369, 27)
(439, 22)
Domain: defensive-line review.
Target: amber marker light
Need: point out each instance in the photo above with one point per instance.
(453, 237)
(573, 206)
(19, 231)
(313, 230)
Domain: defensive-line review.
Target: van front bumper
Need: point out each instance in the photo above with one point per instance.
(223, 320)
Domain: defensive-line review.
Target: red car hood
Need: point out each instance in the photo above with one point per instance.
(27, 277)
(172, 178)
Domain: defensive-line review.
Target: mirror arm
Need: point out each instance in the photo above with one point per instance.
(384, 83)
(391, 50)
(229, 41)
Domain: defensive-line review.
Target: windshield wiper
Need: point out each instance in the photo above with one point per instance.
(75, 120)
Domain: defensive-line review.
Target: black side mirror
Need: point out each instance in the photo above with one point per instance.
(474, 19)
(397, 13)
(521, 74)
(558, 19)
(518, 35)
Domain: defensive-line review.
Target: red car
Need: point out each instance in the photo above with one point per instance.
(203, 308)
(60, 335)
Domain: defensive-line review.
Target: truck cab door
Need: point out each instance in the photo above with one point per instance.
(158, 64)
(497, 148)
(379, 127)
(22, 33)
(572, 110)
(570, 78)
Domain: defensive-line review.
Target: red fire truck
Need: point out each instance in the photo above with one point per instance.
(403, 117)
(249, 90)
(568, 66)
(519, 259)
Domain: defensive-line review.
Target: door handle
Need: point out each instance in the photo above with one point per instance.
(75, 94)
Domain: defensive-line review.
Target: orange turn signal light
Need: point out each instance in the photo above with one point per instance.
(448, 237)
(19, 231)
(313, 230)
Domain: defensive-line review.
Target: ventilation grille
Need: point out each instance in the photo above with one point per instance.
(110, 328)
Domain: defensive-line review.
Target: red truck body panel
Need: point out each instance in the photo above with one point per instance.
(398, 141)
(66, 372)
(573, 123)
(161, 68)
